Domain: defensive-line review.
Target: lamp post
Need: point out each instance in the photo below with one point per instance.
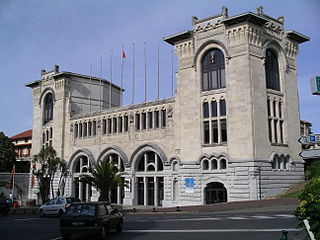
(259, 173)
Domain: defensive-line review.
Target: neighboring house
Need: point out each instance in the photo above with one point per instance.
(305, 130)
(233, 121)
(22, 176)
(23, 144)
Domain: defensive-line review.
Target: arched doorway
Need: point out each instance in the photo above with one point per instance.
(116, 194)
(215, 192)
(149, 179)
(81, 190)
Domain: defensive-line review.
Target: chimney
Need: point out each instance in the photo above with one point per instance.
(56, 68)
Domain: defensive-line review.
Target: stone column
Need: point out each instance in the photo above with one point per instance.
(145, 192)
(156, 191)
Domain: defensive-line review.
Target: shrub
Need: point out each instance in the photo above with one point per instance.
(309, 206)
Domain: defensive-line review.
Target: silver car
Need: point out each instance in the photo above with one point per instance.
(56, 206)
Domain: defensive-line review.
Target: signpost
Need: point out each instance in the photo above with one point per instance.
(313, 153)
(315, 85)
(311, 139)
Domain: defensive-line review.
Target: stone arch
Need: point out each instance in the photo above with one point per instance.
(44, 93)
(78, 153)
(207, 46)
(213, 155)
(146, 147)
(117, 150)
(214, 190)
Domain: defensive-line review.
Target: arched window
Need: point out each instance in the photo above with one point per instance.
(213, 70)
(272, 70)
(223, 164)
(214, 165)
(205, 165)
(48, 108)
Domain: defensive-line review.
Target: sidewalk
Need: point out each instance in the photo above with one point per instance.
(279, 204)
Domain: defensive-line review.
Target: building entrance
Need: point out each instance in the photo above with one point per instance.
(215, 192)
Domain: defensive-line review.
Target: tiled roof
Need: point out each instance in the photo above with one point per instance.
(25, 134)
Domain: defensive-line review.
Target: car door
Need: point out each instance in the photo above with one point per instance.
(113, 217)
(48, 207)
(59, 204)
(104, 216)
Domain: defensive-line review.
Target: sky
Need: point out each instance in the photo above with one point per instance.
(78, 34)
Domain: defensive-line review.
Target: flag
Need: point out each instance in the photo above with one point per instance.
(123, 55)
(33, 177)
(12, 178)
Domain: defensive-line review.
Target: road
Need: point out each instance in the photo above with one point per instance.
(231, 226)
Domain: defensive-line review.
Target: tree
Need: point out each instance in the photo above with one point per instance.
(48, 165)
(8, 154)
(63, 176)
(105, 176)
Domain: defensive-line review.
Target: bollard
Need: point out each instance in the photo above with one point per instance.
(177, 209)
(154, 209)
(134, 210)
(284, 235)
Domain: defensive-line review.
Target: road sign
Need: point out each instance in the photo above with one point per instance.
(313, 153)
(312, 139)
(315, 85)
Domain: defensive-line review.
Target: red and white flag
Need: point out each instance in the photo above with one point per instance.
(123, 55)
(12, 178)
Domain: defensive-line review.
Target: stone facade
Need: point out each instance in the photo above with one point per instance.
(176, 151)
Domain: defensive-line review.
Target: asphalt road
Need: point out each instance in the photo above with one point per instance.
(231, 226)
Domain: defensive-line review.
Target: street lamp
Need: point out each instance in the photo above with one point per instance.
(259, 173)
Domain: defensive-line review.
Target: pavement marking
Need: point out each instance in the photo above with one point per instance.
(263, 217)
(285, 215)
(24, 219)
(208, 230)
(238, 218)
(56, 238)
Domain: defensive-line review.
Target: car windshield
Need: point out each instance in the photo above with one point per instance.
(72, 200)
(81, 210)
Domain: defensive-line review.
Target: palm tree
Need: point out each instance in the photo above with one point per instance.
(105, 176)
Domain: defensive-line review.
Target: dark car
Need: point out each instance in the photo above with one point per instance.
(5, 206)
(90, 218)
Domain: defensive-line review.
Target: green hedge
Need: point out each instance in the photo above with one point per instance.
(309, 206)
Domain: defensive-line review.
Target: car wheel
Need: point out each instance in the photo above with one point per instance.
(119, 227)
(42, 213)
(103, 233)
(60, 213)
(65, 237)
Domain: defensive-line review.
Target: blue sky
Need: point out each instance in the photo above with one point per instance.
(36, 34)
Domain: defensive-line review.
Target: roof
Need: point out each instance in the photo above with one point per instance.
(246, 17)
(178, 37)
(25, 134)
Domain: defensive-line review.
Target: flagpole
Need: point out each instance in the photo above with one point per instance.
(100, 84)
(145, 73)
(172, 87)
(110, 89)
(122, 57)
(90, 88)
(133, 80)
(13, 173)
(158, 73)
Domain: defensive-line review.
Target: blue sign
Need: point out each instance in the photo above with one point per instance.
(189, 182)
(312, 138)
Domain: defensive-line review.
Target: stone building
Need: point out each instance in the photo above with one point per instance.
(229, 133)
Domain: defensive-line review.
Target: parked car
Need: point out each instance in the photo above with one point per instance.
(90, 218)
(5, 206)
(57, 206)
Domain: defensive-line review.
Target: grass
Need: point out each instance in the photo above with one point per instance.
(294, 191)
